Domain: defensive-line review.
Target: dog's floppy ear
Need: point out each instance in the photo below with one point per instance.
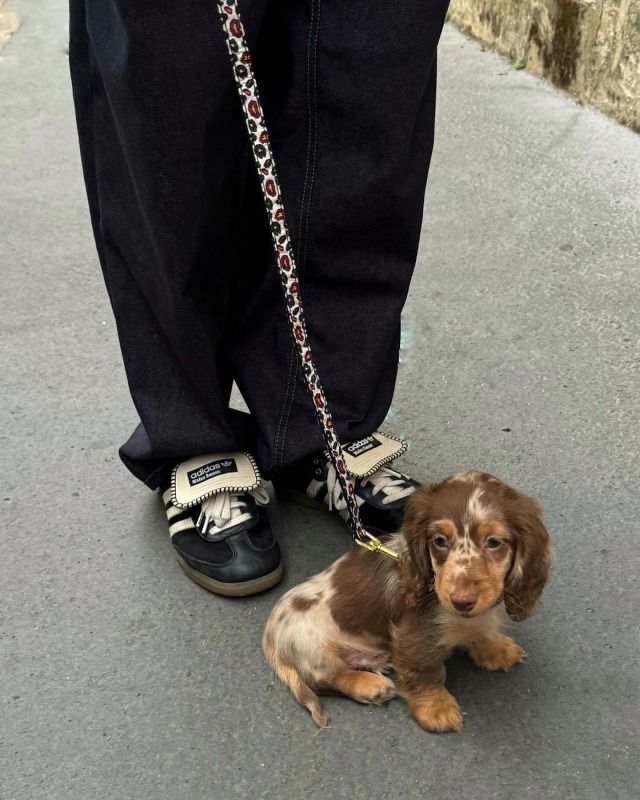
(415, 566)
(532, 558)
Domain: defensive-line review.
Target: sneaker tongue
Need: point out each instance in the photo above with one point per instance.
(200, 477)
(364, 456)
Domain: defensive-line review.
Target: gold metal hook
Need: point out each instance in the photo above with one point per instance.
(374, 545)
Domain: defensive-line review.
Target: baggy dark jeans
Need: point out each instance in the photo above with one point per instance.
(349, 93)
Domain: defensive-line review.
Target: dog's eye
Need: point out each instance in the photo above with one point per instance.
(441, 541)
(492, 543)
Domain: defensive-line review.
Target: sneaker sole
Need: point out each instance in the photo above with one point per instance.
(243, 589)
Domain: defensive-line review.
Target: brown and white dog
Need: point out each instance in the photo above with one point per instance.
(473, 552)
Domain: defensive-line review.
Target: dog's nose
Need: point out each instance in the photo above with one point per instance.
(463, 602)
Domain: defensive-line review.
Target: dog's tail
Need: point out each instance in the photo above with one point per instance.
(290, 676)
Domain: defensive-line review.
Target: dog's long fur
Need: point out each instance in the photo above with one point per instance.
(473, 553)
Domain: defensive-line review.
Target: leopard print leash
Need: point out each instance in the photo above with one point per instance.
(285, 261)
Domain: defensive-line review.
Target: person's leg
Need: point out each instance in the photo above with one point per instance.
(164, 152)
(164, 155)
(349, 95)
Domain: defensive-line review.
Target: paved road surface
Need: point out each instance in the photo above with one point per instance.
(121, 679)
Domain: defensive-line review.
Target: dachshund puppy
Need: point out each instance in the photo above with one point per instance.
(473, 552)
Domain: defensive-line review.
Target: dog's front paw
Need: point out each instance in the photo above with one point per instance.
(435, 709)
(499, 653)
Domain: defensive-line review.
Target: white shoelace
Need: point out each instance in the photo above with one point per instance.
(223, 510)
(391, 483)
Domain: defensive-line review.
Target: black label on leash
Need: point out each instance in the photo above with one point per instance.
(361, 446)
(211, 470)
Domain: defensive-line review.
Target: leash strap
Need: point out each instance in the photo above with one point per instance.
(285, 261)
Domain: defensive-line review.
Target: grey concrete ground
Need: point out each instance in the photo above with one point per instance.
(120, 678)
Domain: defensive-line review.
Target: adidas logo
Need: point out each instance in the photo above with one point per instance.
(362, 446)
(211, 470)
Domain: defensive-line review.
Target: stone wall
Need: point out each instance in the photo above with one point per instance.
(590, 48)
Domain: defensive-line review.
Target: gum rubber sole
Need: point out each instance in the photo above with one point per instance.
(243, 589)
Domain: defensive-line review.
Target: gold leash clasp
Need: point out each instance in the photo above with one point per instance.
(374, 545)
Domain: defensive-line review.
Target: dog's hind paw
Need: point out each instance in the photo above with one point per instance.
(364, 687)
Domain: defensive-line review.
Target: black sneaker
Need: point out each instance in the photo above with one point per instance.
(381, 494)
(224, 541)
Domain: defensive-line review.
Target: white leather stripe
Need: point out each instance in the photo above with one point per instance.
(166, 496)
(314, 487)
(174, 512)
(182, 525)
